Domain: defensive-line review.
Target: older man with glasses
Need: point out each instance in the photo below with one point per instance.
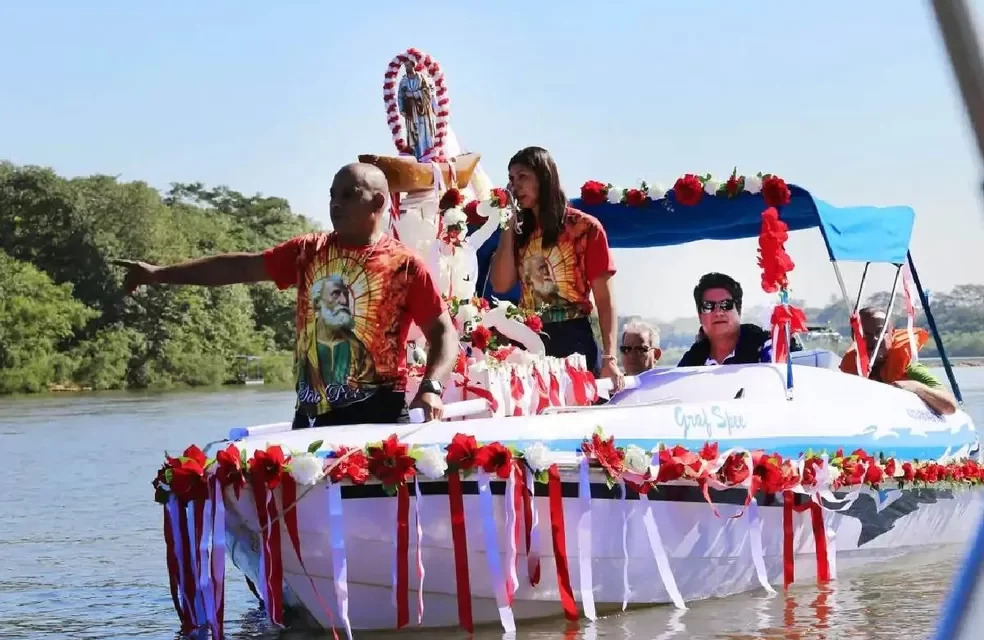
(723, 338)
(640, 347)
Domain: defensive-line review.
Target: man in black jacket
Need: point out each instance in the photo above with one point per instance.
(723, 338)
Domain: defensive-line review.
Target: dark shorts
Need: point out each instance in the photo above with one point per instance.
(573, 336)
(384, 407)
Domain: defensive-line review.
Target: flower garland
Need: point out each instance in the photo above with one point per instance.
(497, 204)
(689, 190)
(467, 315)
(393, 463)
(776, 264)
(423, 63)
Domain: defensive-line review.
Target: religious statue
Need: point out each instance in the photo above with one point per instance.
(418, 106)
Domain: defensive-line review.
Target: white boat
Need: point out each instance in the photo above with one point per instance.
(718, 480)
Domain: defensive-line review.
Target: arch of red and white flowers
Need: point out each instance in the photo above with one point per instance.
(193, 489)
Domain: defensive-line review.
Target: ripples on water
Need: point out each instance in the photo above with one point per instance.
(82, 555)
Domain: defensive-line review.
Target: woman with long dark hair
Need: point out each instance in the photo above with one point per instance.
(560, 257)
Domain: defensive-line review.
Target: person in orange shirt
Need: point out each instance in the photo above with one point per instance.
(894, 362)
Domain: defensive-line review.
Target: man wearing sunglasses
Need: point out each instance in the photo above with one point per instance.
(640, 347)
(723, 338)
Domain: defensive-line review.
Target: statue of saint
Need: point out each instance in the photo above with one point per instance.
(418, 106)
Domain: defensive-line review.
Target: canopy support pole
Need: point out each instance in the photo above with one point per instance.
(924, 301)
(888, 313)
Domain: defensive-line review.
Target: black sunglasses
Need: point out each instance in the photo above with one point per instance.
(639, 349)
(708, 306)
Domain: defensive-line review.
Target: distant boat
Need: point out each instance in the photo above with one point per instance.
(250, 372)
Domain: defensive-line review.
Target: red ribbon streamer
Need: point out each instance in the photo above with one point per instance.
(555, 399)
(861, 349)
(516, 391)
(173, 572)
(402, 557)
(290, 520)
(532, 567)
(819, 535)
(270, 539)
(542, 394)
(558, 533)
(460, 544)
(218, 571)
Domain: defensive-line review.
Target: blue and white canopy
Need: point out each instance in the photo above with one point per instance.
(852, 234)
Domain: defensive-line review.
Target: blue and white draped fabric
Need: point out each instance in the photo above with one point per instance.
(339, 565)
(412, 89)
(492, 553)
(626, 590)
(199, 604)
(584, 541)
(204, 565)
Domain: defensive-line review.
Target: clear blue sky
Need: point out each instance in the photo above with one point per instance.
(852, 100)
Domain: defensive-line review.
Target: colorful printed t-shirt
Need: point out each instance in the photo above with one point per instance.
(354, 309)
(556, 282)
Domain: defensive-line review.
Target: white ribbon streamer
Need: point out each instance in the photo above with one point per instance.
(218, 555)
(173, 510)
(512, 553)
(754, 519)
(196, 569)
(659, 553)
(626, 590)
(584, 542)
(420, 552)
(339, 565)
(492, 553)
(205, 563)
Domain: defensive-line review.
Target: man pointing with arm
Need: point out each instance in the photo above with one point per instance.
(358, 290)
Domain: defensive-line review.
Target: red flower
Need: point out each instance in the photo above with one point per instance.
(471, 213)
(790, 474)
(462, 452)
(874, 474)
(495, 458)
(188, 480)
(734, 470)
(688, 190)
(481, 304)
(890, 467)
(810, 467)
(534, 323)
(709, 451)
(635, 197)
(773, 259)
(768, 469)
(230, 468)
(195, 454)
(499, 198)
(670, 468)
(908, 473)
(351, 464)
(594, 192)
(775, 192)
(480, 337)
(390, 462)
(268, 466)
(610, 457)
(852, 472)
(451, 198)
(733, 186)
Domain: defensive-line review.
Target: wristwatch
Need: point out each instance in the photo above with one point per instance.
(428, 385)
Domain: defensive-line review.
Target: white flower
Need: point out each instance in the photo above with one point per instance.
(306, 468)
(753, 184)
(614, 195)
(431, 462)
(711, 187)
(485, 209)
(636, 459)
(455, 217)
(656, 191)
(536, 456)
(467, 316)
(505, 215)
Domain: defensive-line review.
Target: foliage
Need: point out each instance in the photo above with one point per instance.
(64, 319)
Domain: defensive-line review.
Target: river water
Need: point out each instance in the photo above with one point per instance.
(82, 556)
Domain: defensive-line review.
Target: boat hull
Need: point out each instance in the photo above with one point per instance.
(709, 556)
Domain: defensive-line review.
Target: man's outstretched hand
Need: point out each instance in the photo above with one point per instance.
(137, 274)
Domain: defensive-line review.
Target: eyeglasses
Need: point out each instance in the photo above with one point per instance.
(639, 349)
(708, 306)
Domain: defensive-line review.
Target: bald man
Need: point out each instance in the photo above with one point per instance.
(358, 290)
